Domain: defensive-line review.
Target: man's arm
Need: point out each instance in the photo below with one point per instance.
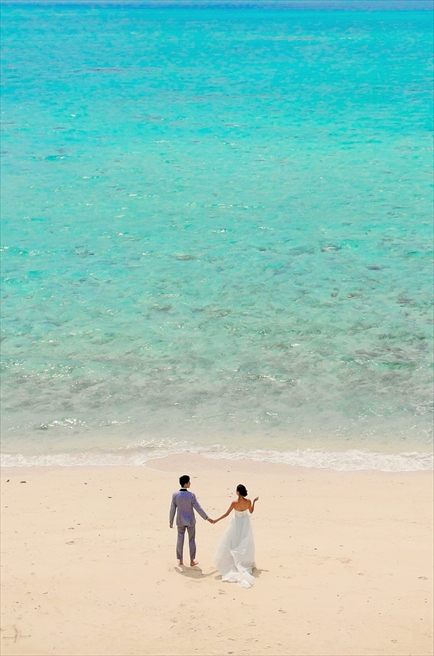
(172, 511)
(198, 507)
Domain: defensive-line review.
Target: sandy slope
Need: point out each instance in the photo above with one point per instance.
(88, 568)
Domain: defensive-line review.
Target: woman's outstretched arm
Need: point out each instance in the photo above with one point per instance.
(225, 515)
(252, 504)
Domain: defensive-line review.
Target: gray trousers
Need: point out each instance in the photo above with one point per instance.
(191, 541)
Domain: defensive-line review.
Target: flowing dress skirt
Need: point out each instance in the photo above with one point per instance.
(235, 556)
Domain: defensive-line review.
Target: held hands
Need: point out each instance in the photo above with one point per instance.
(211, 521)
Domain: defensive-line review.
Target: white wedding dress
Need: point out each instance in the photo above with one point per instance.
(235, 556)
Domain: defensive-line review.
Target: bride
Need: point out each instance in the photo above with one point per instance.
(235, 556)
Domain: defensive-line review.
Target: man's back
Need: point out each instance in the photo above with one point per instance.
(185, 502)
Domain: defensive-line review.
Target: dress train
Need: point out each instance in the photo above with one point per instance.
(235, 556)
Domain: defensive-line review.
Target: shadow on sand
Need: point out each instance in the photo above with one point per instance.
(193, 572)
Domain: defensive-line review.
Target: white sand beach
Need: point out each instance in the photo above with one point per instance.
(88, 563)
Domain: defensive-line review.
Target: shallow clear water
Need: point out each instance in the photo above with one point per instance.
(217, 230)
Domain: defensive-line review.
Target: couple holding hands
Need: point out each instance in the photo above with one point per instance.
(235, 556)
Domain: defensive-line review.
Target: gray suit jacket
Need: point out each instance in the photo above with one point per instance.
(185, 503)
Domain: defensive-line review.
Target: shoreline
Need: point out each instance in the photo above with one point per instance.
(310, 458)
(343, 562)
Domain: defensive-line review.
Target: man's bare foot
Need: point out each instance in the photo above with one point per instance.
(180, 562)
(193, 563)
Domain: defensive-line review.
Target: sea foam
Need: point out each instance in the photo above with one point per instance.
(351, 460)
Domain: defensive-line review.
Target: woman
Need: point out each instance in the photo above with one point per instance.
(235, 557)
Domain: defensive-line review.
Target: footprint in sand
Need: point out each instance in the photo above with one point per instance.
(16, 634)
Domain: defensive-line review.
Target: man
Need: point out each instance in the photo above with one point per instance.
(184, 503)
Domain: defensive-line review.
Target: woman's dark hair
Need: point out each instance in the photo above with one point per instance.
(242, 490)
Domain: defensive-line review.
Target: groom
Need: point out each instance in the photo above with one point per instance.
(183, 504)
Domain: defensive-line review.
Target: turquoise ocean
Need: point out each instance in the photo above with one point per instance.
(217, 234)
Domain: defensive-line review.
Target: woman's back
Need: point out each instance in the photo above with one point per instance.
(242, 504)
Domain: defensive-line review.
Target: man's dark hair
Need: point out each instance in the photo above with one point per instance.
(242, 490)
(184, 480)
